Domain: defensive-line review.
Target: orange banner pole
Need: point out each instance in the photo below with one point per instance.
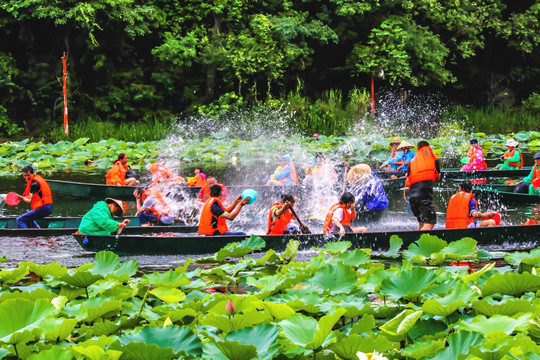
(65, 95)
(372, 96)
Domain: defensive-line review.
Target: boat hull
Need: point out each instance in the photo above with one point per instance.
(503, 193)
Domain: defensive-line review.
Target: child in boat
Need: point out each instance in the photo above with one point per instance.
(283, 175)
(475, 156)
(117, 175)
(531, 183)
(512, 158)
(462, 211)
(199, 179)
(339, 217)
(280, 216)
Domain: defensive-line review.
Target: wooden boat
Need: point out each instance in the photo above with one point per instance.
(456, 173)
(503, 193)
(60, 226)
(501, 237)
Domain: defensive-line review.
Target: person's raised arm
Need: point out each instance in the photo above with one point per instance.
(232, 215)
(233, 205)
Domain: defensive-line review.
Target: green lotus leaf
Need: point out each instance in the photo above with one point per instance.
(477, 274)
(444, 288)
(395, 246)
(99, 328)
(337, 247)
(56, 330)
(355, 258)
(397, 328)
(495, 323)
(277, 311)
(535, 143)
(428, 329)
(423, 349)
(169, 279)
(234, 350)
(18, 316)
(496, 346)
(461, 249)
(374, 281)
(39, 293)
(107, 262)
(423, 248)
(458, 345)
(184, 316)
(263, 337)
(32, 147)
(13, 276)
(141, 351)
(271, 284)
(336, 279)
(55, 353)
(356, 305)
(522, 136)
(80, 141)
(236, 322)
(409, 284)
(71, 292)
(81, 279)
(168, 295)
(94, 352)
(180, 339)
(528, 258)
(448, 304)
(511, 284)
(507, 306)
(346, 346)
(242, 248)
(52, 269)
(363, 325)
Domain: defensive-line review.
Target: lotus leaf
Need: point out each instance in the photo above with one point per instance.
(59, 329)
(263, 337)
(363, 325)
(529, 258)
(94, 352)
(28, 295)
(180, 339)
(71, 292)
(336, 279)
(374, 281)
(168, 295)
(236, 322)
(306, 304)
(511, 284)
(423, 349)
(184, 316)
(13, 276)
(409, 284)
(169, 278)
(141, 351)
(81, 279)
(496, 323)
(52, 269)
(395, 245)
(477, 274)
(458, 345)
(428, 329)
(19, 316)
(461, 249)
(397, 328)
(508, 307)
(55, 353)
(355, 258)
(423, 248)
(277, 311)
(356, 305)
(346, 347)
(234, 350)
(99, 328)
(240, 249)
(107, 262)
(444, 306)
(337, 247)
(498, 345)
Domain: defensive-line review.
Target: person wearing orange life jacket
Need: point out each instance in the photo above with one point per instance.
(38, 195)
(512, 158)
(214, 214)
(475, 156)
(204, 193)
(163, 174)
(117, 174)
(154, 209)
(280, 216)
(285, 174)
(199, 180)
(339, 217)
(531, 183)
(462, 211)
(424, 170)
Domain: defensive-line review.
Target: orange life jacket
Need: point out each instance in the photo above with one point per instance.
(293, 175)
(457, 213)
(278, 226)
(117, 174)
(162, 206)
(535, 174)
(422, 167)
(196, 181)
(205, 222)
(347, 217)
(394, 152)
(206, 191)
(43, 196)
(508, 154)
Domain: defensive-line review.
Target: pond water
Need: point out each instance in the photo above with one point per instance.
(67, 252)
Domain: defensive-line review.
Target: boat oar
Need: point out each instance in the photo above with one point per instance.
(303, 228)
(345, 168)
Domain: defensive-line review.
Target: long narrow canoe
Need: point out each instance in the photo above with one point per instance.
(501, 238)
(503, 193)
(60, 226)
(455, 173)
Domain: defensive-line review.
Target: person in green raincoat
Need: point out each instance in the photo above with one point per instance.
(512, 158)
(99, 220)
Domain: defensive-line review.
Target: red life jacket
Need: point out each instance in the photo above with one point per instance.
(509, 154)
(347, 217)
(535, 175)
(422, 167)
(205, 222)
(278, 226)
(457, 213)
(43, 196)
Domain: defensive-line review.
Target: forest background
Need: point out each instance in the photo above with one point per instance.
(152, 63)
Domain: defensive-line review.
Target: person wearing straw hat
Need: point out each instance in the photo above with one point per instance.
(531, 183)
(389, 165)
(99, 220)
(367, 189)
(475, 157)
(404, 156)
(512, 158)
(462, 211)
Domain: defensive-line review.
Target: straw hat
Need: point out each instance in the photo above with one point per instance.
(359, 174)
(511, 142)
(405, 145)
(118, 203)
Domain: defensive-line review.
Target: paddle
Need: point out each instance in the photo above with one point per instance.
(12, 199)
(303, 228)
(345, 169)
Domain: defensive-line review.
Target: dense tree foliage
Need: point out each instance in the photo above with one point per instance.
(149, 59)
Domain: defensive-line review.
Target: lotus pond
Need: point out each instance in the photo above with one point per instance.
(341, 304)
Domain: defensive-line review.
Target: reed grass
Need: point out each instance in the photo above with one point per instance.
(494, 120)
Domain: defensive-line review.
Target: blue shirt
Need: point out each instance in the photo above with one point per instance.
(371, 196)
(401, 156)
(391, 159)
